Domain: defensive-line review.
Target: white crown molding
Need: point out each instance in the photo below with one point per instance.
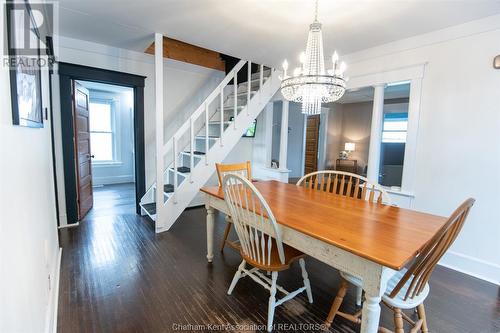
(464, 30)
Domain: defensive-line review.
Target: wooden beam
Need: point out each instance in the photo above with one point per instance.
(177, 50)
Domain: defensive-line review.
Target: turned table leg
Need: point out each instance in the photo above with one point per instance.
(371, 314)
(210, 234)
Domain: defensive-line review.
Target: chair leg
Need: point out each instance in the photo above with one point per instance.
(359, 295)
(272, 302)
(236, 277)
(305, 277)
(339, 298)
(421, 315)
(226, 233)
(398, 321)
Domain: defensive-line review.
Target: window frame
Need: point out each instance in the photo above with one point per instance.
(116, 156)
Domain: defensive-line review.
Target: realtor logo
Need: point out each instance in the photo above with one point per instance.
(28, 25)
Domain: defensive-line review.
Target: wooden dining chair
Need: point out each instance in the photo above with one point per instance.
(348, 185)
(243, 169)
(260, 242)
(409, 288)
(345, 184)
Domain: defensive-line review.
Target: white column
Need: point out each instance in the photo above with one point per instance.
(159, 127)
(376, 133)
(284, 135)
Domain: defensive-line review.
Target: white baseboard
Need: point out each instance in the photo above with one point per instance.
(113, 180)
(51, 318)
(478, 268)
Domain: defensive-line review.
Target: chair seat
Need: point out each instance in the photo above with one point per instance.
(398, 301)
(291, 254)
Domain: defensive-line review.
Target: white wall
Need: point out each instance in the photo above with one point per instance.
(28, 229)
(122, 171)
(458, 132)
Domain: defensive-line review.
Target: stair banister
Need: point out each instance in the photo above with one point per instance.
(207, 101)
(176, 175)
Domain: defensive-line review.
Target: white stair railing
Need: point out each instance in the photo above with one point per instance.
(185, 137)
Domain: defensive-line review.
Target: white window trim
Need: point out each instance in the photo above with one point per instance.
(115, 132)
(414, 74)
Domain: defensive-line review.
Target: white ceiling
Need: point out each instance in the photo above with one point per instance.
(265, 31)
(110, 88)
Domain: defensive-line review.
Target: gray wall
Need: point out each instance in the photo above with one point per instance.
(349, 123)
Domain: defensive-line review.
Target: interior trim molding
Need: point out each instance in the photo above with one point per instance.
(477, 268)
(53, 306)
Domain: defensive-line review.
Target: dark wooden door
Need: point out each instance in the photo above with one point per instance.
(312, 139)
(83, 162)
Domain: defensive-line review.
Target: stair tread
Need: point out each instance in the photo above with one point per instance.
(188, 153)
(213, 137)
(150, 208)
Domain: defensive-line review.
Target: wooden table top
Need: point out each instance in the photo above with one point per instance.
(390, 236)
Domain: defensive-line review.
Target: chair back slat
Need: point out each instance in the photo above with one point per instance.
(252, 216)
(420, 271)
(345, 184)
(244, 169)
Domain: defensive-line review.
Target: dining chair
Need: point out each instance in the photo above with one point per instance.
(243, 169)
(261, 243)
(348, 185)
(345, 184)
(409, 288)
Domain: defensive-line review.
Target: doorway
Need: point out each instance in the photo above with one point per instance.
(102, 127)
(111, 146)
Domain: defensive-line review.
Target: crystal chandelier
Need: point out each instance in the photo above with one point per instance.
(310, 84)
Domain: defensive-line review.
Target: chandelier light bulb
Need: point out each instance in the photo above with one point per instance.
(302, 57)
(285, 67)
(342, 68)
(335, 58)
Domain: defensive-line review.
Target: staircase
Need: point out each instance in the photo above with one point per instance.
(206, 138)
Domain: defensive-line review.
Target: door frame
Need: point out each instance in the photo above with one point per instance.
(70, 72)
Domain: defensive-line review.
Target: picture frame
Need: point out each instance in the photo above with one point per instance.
(25, 72)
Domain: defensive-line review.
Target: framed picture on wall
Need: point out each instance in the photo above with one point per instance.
(23, 39)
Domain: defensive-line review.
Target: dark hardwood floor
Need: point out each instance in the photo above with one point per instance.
(117, 275)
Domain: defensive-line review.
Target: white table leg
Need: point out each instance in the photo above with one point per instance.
(210, 233)
(370, 316)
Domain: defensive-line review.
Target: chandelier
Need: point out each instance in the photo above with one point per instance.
(310, 84)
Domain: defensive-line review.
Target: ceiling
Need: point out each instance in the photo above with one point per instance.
(110, 88)
(265, 31)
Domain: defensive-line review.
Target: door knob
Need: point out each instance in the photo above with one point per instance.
(89, 156)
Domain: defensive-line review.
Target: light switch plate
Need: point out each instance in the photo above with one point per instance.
(496, 62)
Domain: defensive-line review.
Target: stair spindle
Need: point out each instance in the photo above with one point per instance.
(235, 82)
(221, 114)
(174, 149)
(249, 85)
(191, 147)
(206, 134)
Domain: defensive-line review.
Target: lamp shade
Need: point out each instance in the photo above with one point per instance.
(350, 146)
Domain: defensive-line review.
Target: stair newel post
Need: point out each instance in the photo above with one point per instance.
(191, 148)
(160, 149)
(235, 82)
(206, 134)
(221, 114)
(176, 175)
(249, 84)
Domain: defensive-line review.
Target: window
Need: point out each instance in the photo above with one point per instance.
(101, 131)
(395, 127)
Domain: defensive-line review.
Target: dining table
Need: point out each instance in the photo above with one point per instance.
(369, 240)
